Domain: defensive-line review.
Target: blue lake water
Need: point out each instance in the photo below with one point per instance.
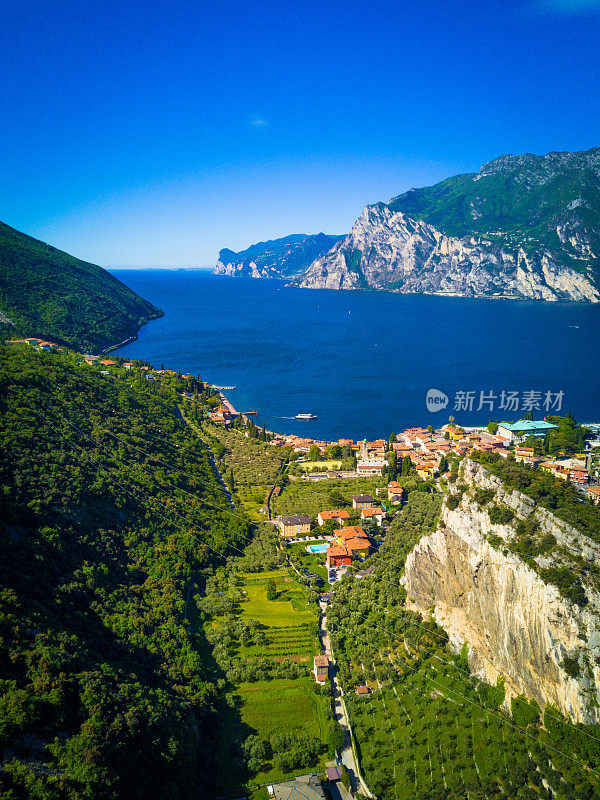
(364, 361)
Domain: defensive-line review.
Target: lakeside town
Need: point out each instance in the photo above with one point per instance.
(425, 452)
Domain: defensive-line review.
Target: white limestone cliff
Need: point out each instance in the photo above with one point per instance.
(391, 250)
(516, 626)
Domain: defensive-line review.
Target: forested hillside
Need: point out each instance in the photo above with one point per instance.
(110, 519)
(50, 294)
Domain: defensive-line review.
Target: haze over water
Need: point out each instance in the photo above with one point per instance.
(364, 361)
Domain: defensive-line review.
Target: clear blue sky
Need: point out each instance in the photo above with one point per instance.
(155, 133)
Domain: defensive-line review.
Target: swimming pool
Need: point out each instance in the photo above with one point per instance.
(317, 548)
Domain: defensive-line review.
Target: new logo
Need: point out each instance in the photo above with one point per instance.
(435, 400)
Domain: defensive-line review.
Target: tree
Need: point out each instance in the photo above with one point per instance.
(336, 498)
(492, 427)
(314, 454)
(407, 467)
(271, 590)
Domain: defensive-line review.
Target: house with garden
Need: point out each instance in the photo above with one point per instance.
(321, 668)
(303, 787)
(375, 515)
(338, 556)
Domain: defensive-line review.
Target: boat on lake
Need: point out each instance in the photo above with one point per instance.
(305, 416)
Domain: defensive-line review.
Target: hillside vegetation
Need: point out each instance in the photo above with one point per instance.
(50, 294)
(275, 258)
(111, 518)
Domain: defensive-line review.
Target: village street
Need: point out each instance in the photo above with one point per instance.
(348, 758)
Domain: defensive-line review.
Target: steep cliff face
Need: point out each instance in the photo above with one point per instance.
(516, 626)
(276, 258)
(523, 226)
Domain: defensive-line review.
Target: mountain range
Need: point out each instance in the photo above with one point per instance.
(523, 226)
(47, 293)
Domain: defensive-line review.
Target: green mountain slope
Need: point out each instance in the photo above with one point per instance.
(525, 200)
(110, 516)
(47, 293)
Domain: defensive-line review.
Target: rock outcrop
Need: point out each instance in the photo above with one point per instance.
(516, 625)
(522, 227)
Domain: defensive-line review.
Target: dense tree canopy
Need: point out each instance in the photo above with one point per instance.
(110, 514)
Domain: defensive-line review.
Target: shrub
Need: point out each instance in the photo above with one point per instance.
(571, 666)
(500, 515)
(483, 496)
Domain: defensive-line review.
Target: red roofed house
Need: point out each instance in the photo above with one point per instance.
(321, 668)
(342, 534)
(395, 489)
(426, 469)
(358, 546)
(340, 515)
(578, 475)
(376, 514)
(594, 494)
(338, 557)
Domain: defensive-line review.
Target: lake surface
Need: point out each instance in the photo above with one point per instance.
(363, 362)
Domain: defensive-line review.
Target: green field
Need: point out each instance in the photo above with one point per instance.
(290, 609)
(280, 705)
(269, 707)
(323, 465)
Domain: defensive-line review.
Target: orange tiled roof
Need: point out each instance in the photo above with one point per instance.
(350, 532)
(358, 544)
(336, 550)
(370, 512)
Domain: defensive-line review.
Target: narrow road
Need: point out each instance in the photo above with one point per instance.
(339, 709)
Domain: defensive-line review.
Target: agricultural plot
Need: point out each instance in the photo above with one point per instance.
(323, 466)
(425, 728)
(281, 706)
(304, 497)
(254, 463)
(291, 607)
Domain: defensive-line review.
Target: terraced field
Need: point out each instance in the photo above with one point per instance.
(295, 642)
